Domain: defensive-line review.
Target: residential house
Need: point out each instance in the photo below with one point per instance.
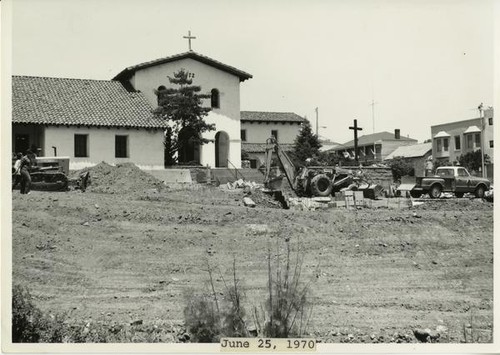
(415, 154)
(327, 144)
(451, 140)
(374, 147)
(257, 127)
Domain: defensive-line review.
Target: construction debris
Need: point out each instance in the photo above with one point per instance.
(311, 204)
(248, 202)
(241, 184)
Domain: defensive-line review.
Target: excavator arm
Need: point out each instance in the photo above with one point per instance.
(288, 167)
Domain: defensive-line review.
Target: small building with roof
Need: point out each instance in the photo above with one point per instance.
(258, 126)
(327, 144)
(373, 148)
(88, 121)
(451, 140)
(415, 154)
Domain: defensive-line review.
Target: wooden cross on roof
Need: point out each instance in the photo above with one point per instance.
(189, 37)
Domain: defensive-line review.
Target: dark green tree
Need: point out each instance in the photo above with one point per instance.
(472, 160)
(401, 167)
(306, 145)
(182, 107)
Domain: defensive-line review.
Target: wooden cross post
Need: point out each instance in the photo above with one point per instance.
(356, 129)
(189, 37)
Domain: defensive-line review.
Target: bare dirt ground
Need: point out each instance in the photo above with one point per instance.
(135, 251)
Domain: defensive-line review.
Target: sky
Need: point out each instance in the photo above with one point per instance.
(421, 62)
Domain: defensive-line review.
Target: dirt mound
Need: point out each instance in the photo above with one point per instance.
(122, 178)
(264, 200)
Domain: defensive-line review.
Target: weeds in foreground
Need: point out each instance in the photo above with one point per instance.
(31, 325)
(472, 334)
(288, 309)
(209, 317)
(285, 312)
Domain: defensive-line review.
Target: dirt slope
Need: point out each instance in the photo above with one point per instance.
(121, 257)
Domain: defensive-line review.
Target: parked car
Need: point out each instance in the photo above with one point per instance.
(454, 179)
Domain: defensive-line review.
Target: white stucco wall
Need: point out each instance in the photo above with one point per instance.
(258, 132)
(226, 118)
(145, 147)
(457, 129)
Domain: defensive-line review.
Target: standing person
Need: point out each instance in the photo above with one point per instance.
(31, 153)
(25, 173)
(16, 177)
(429, 165)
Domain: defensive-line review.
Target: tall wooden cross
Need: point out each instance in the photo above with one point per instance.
(189, 37)
(356, 129)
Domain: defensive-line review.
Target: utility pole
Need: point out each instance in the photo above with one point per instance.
(373, 113)
(316, 109)
(481, 116)
(356, 129)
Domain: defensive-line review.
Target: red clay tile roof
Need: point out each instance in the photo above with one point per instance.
(126, 73)
(82, 102)
(261, 147)
(258, 116)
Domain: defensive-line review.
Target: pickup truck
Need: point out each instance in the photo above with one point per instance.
(455, 179)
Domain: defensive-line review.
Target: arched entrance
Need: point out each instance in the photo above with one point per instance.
(221, 149)
(189, 148)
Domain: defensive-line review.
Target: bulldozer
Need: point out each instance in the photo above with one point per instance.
(50, 174)
(313, 181)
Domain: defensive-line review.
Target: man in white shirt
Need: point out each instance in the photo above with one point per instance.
(16, 176)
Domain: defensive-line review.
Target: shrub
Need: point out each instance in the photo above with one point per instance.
(30, 325)
(472, 160)
(202, 319)
(26, 318)
(401, 167)
(288, 310)
(208, 318)
(471, 334)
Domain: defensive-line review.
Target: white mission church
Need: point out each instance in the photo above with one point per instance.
(91, 121)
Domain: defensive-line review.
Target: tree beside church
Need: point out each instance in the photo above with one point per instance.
(183, 110)
(222, 145)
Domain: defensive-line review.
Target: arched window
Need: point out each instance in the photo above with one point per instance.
(215, 99)
(158, 93)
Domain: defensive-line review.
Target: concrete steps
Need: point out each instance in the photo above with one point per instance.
(194, 175)
(229, 175)
(169, 176)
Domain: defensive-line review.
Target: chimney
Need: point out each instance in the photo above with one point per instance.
(397, 134)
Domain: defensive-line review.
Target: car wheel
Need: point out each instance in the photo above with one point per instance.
(459, 194)
(480, 192)
(435, 191)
